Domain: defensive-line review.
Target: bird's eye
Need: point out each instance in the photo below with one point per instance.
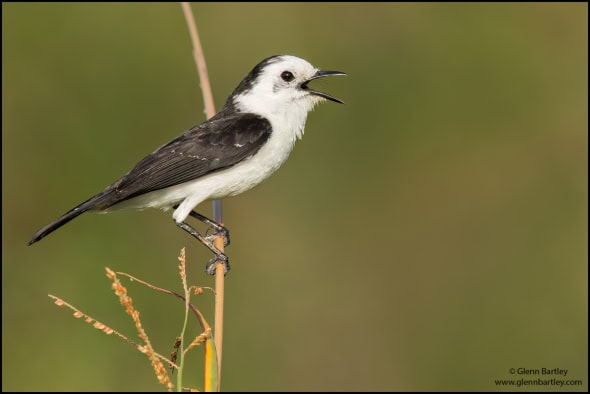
(287, 76)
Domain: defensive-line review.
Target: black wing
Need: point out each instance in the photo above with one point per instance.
(211, 146)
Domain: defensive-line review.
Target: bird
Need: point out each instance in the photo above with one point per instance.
(239, 147)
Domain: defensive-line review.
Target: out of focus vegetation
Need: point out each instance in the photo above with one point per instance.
(430, 234)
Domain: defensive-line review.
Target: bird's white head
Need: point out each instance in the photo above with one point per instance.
(277, 88)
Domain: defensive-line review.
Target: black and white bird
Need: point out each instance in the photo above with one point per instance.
(242, 145)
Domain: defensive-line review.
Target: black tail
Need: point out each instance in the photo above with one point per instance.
(71, 214)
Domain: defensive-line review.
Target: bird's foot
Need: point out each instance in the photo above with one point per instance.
(219, 258)
(219, 231)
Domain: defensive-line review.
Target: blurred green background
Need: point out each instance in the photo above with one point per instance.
(430, 234)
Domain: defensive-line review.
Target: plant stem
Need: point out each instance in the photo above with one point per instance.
(199, 60)
(217, 204)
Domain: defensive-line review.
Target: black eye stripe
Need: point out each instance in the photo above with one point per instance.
(287, 76)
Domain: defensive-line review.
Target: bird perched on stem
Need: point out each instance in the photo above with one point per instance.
(242, 145)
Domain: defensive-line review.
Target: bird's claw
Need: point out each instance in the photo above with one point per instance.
(218, 259)
(221, 232)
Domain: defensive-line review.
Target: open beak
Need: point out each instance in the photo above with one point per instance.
(321, 74)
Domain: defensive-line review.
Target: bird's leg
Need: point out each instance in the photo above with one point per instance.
(219, 229)
(219, 256)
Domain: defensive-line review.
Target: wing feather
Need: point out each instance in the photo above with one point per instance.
(211, 146)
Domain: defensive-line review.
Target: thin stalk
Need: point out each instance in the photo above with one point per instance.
(217, 204)
(199, 60)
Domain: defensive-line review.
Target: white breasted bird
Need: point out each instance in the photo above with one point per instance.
(245, 142)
